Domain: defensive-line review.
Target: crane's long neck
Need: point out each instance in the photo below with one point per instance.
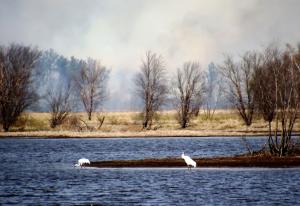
(183, 156)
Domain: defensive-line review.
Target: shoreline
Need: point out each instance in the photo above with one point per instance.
(137, 134)
(217, 162)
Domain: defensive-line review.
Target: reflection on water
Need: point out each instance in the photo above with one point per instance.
(41, 171)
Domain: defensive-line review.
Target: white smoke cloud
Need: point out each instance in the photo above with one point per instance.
(120, 32)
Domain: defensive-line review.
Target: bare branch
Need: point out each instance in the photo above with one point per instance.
(16, 76)
(59, 104)
(151, 86)
(188, 91)
(91, 84)
(239, 79)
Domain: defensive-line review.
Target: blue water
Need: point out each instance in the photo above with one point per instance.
(41, 172)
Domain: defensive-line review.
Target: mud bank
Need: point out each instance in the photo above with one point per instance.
(253, 161)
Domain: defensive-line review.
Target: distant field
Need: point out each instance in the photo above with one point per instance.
(123, 124)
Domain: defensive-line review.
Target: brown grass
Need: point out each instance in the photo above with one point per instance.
(128, 124)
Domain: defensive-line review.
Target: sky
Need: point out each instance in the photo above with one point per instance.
(119, 32)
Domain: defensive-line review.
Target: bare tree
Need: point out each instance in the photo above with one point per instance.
(59, 104)
(264, 84)
(188, 91)
(17, 64)
(151, 86)
(239, 79)
(91, 84)
(278, 96)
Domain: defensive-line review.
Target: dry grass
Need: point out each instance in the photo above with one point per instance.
(126, 124)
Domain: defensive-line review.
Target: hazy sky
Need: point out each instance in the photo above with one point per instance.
(118, 32)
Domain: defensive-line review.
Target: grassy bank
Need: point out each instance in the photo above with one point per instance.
(128, 124)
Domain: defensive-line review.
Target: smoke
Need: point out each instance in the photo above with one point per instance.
(119, 33)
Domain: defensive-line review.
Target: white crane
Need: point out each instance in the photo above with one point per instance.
(189, 161)
(81, 162)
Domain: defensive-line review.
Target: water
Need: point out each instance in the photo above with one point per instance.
(40, 171)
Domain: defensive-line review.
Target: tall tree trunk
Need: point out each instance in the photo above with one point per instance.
(90, 115)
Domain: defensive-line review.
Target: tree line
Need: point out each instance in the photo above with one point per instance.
(20, 81)
(28, 76)
(265, 83)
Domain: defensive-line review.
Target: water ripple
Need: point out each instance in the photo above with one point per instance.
(40, 171)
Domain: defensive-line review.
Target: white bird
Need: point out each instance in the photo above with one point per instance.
(81, 162)
(189, 161)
